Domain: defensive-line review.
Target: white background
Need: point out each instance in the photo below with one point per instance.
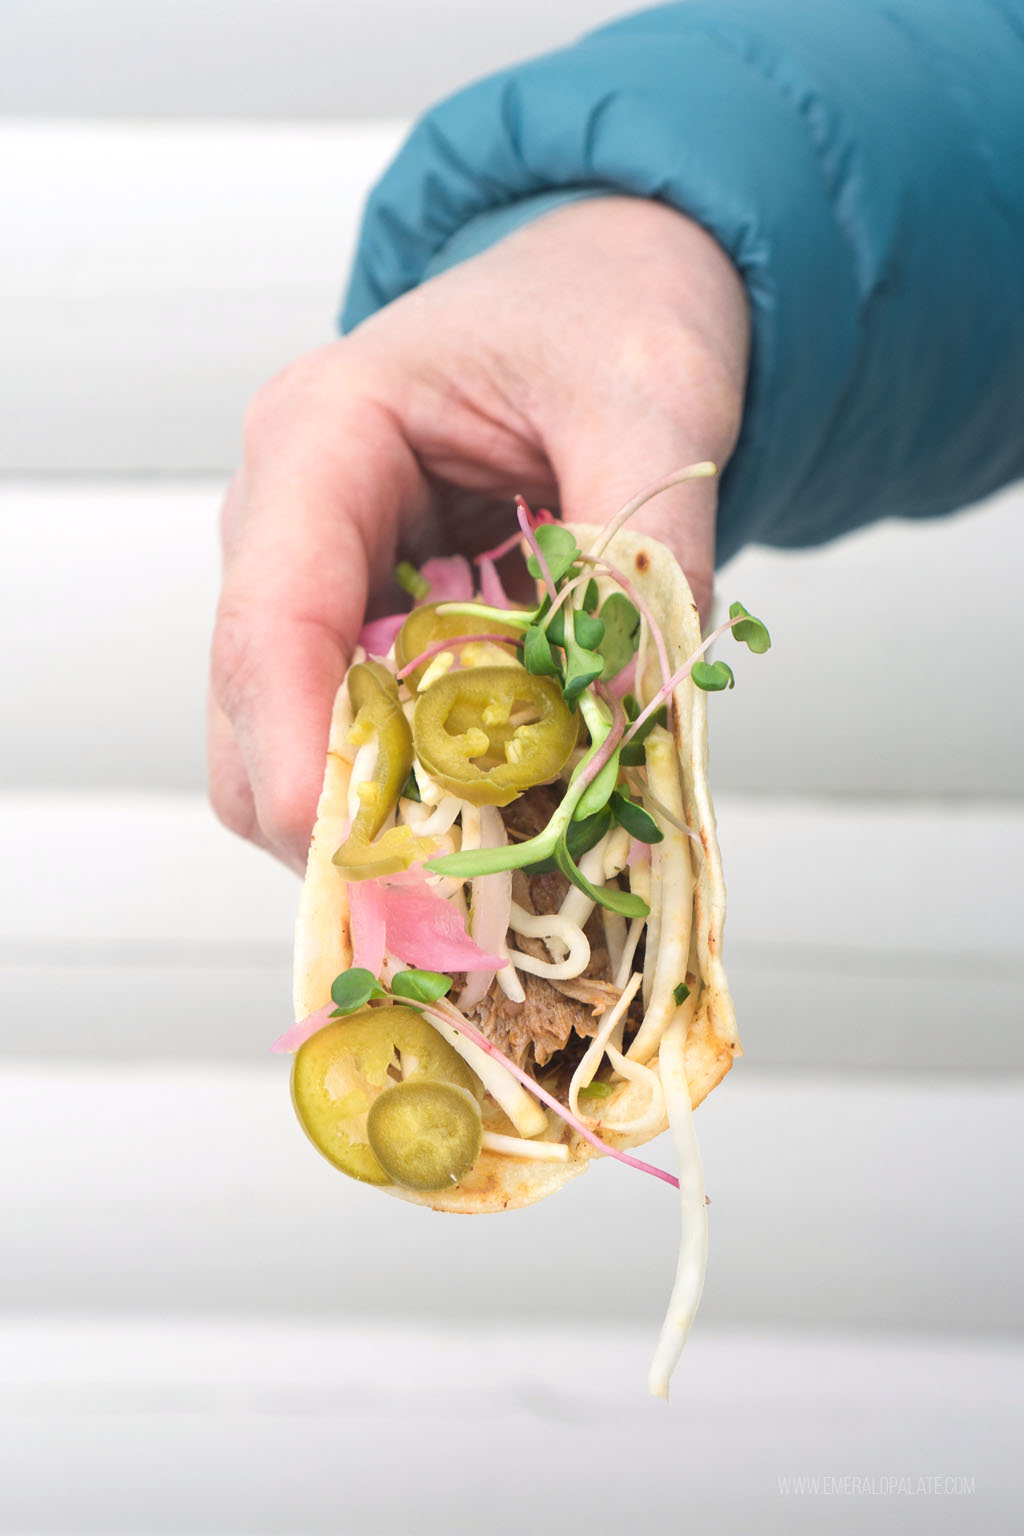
(201, 1326)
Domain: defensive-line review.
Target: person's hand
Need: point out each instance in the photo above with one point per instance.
(575, 362)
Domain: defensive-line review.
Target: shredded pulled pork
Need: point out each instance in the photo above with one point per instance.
(532, 1032)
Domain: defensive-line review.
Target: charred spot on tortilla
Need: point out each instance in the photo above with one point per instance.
(553, 918)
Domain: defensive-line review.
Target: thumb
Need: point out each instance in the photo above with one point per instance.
(599, 474)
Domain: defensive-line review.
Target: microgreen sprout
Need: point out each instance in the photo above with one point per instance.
(631, 754)
(582, 666)
(537, 519)
(541, 569)
(702, 471)
(634, 596)
(518, 618)
(749, 630)
(637, 822)
(353, 989)
(421, 986)
(580, 837)
(557, 548)
(619, 640)
(538, 657)
(738, 617)
(602, 725)
(713, 676)
(680, 993)
(639, 787)
(411, 580)
(582, 644)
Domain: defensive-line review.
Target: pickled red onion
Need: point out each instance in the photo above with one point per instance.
(449, 578)
(491, 589)
(623, 682)
(426, 930)
(639, 853)
(299, 1033)
(378, 636)
(366, 911)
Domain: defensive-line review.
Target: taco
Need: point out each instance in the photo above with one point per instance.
(508, 949)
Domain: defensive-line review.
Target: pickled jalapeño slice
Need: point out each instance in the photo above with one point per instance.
(425, 1134)
(339, 1072)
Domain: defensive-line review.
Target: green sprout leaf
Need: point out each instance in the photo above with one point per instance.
(599, 790)
(588, 631)
(354, 989)
(632, 754)
(626, 903)
(582, 667)
(411, 790)
(580, 838)
(560, 551)
(597, 1090)
(713, 676)
(637, 822)
(680, 993)
(621, 634)
(411, 581)
(538, 656)
(591, 596)
(750, 630)
(421, 986)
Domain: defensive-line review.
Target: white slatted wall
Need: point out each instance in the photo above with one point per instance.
(862, 1159)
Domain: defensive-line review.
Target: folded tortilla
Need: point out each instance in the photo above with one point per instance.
(688, 871)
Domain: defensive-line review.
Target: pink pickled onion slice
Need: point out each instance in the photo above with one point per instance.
(414, 876)
(366, 909)
(428, 931)
(301, 1032)
(623, 682)
(450, 580)
(378, 636)
(491, 589)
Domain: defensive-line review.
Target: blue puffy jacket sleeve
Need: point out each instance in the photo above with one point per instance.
(861, 161)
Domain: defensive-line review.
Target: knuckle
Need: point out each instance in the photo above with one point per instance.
(288, 399)
(262, 416)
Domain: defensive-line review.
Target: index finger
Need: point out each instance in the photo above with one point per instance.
(310, 526)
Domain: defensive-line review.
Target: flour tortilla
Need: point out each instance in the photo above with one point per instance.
(323, 948)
